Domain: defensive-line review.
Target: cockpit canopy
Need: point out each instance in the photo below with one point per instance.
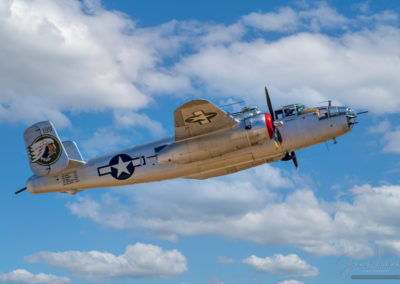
(300, 109)
(293, 110)
(290, 110)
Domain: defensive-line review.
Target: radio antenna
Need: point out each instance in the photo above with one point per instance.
(231, 104)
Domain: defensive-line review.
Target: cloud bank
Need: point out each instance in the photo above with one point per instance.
(59, 56)
(244, 206)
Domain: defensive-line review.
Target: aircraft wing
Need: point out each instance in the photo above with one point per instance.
(200, 117)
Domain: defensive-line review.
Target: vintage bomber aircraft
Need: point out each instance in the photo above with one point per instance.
(208, 142)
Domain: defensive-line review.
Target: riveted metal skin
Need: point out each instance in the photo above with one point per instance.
(237, 143)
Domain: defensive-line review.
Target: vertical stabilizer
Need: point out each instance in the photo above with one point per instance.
(46, 153)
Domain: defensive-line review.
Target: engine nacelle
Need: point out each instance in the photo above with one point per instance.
(252, 130)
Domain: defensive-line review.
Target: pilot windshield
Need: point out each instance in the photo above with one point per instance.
(290, 110)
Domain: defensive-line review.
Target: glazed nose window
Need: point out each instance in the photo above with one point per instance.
(333, 111)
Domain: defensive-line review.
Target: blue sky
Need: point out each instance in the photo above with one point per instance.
(109, 75)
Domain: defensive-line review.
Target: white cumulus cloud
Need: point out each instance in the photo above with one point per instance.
(138, 261)
(25, 277)
(129, 119)
(382, 127)
(61, 55)
(224, 259)
(290, 265)
(358, 69)
(290, 282)
(391, 141)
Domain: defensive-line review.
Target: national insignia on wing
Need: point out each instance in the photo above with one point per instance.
(201, 117)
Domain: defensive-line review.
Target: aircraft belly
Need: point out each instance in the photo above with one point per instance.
(233, 168)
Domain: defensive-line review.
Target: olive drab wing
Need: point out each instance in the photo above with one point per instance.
(200, 117)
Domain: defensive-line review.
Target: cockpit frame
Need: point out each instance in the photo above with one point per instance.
(289, 110)
(299, 109)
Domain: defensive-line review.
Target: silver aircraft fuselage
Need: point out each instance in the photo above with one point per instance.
(227, 151)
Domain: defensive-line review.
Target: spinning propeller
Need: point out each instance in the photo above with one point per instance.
(277, 135)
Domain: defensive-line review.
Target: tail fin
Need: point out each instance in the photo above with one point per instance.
(47, 155)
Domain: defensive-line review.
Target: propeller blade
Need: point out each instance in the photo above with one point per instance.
(276, 138)
(279, 136)
(294, 159)
(19, 191)
(271, 110)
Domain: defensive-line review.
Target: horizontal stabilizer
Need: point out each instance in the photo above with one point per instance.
(72, 150)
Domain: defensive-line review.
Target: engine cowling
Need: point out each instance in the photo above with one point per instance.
(253, 130)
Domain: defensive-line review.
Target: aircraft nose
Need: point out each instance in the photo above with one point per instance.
(350, 111)
(351, 117)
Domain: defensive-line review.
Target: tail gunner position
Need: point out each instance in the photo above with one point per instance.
(208, 142)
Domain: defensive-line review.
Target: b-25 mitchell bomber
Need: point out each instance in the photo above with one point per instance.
(208, 142)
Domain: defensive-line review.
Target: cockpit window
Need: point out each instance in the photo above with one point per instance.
(333, 111)
(290, 110)
(342, 110)
(279, 114)
(323, 113)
